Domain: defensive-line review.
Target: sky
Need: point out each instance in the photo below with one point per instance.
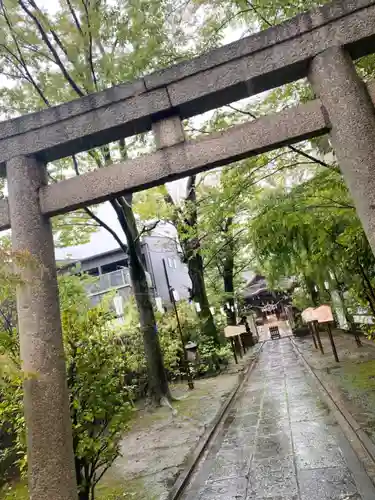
(102, 241)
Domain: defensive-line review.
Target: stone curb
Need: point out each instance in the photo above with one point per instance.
(205, 440)
(339, 406)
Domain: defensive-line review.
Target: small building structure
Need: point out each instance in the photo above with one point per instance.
(110, 270)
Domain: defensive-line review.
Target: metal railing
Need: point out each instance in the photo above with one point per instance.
(109, 281)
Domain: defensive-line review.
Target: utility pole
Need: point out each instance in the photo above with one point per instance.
(173, 300)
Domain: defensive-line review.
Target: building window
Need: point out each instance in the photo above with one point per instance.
(172, 263)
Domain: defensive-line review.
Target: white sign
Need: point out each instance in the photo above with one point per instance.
(119, 305)
(268, 308)
(212, 309)
(308, 315)
(176, 295)
(322, 314)
(159, 304)
(233, 331)
(363, 320)
(197, 306)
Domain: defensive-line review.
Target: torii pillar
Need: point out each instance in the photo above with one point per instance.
(46, 400)
(352, 117)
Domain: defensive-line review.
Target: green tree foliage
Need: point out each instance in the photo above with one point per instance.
(184, 215)
(100, 401)
(311, 231)
(50, 56)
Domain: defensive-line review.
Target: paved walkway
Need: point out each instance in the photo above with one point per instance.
(264, 330)
(280, 441)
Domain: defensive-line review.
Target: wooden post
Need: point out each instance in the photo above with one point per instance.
(238, 341)
(242, 348)
(332, 343)
(317, 333)
(353, 329)
(312, 334)
(234, 350)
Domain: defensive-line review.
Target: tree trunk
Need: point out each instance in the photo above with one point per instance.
(157, 378)
(314, 294)
(228, 274)
(366, 282)
(367, 288)
(199, 293)
(188, 235)
(84, 495)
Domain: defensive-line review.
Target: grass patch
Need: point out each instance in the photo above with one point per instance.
(357, 381)
(14, 491)
(360, 376)
(130, 490)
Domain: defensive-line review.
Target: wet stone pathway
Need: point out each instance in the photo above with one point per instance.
(280, 441)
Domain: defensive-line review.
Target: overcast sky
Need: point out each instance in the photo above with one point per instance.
(102, 241)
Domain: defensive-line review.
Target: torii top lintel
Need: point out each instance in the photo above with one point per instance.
(273, 57)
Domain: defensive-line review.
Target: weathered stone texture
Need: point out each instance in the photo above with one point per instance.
(244, 68)
(49, 433)
(352, 118)
(271, 66)
(83, 131)
(168, 132)
(292, 28)
(286, 127)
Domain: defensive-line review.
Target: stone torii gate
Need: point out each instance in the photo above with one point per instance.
(319, 45)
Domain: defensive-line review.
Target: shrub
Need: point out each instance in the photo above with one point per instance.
(100, 401)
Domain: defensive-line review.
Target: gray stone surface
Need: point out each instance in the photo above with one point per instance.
(168, 132)
(49, 433)
(269, 67)
(71, 109)
(88, 129)
(328, 484)
(280, 458)
(266, 60)
(299, 25)
(351, 113)
(181, 160)
(184, 159)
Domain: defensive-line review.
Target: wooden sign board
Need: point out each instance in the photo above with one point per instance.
(233, 331)
(323, 314)
(308, 315)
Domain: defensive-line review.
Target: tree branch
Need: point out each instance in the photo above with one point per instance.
(147, 229)
(230, 240)
(97, 219)
(89, 52)
(21, 59)
(46, 40)
(75, 18)
(255, 10)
